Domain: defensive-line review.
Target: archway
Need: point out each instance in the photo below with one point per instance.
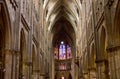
(33, 58)
(34, 61)
(117, 24)
(114, 54)
(22, 56)
(103, 63)
(5, 40)
(64, 47)
(103, 44)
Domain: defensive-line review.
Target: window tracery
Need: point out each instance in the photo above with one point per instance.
(62, 51)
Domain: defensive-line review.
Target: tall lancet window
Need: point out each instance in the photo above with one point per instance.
(62, 51)
(69, 54)
(56, 52)
(63, 56)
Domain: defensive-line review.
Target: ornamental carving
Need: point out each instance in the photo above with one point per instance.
(14, 3)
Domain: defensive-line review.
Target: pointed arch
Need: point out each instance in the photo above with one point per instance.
(5, 37)
(117, 24)
(23, 55)
(103, 43)
(5, 16)
(23, 44)
(34, 60)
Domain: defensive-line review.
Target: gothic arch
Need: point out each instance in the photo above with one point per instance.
(104, 54)
(23, 55)
(5, 37)
(34, 58)
(4, 15)
(103, 44)
(116, 44)
(117, 24)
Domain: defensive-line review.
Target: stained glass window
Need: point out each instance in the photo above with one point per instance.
(56, 53)
(62, 51)
(69, 54)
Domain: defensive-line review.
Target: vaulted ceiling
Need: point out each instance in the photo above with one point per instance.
(55, 9)
(62, 16)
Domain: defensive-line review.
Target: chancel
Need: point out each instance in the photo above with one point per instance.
(59, 39)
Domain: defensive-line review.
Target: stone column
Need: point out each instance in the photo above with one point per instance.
(114, 62)
(92, 73)
(85, 75)
(15, 67)
(29, 70)
(36, 74)
(25, 70)
(42, 75)
(23, 73)
(102, 69)
(8, 63)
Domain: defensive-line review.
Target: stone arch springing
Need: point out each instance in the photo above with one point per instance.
(33, 58)
(103, 44)
(104, 54)
(23, 55)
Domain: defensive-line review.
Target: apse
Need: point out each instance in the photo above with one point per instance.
(63, 43)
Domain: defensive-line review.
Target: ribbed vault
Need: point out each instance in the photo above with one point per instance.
(68, 9)
(63, 31)
(62, 18)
